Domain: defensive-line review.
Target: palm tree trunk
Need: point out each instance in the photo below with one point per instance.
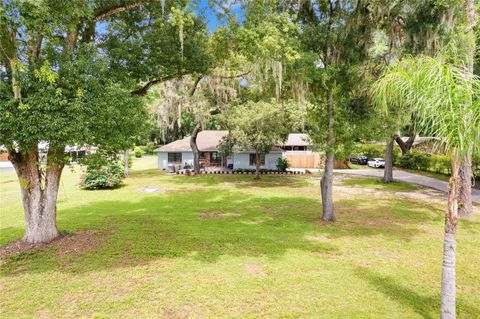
(388, 170)
(465, 205)
(448, 297)
(465, 187)
(326, 183)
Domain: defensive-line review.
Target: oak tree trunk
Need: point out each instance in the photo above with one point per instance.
(39, 190)
(257, 165)
(125, 160)
(193, 145)
(326, 183)
(388, 170)
(448, 297)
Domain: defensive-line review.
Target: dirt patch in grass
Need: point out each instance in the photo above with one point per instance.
(255, 270)
(65, 244)
(317, 238)
(216, 214)
(152, 189)
(175, 314)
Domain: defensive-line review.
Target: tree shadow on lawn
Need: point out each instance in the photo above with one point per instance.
(426, 306)
(206, 225)
(243, 181)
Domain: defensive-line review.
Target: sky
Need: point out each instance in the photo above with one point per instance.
(202, 9)
(210, 14)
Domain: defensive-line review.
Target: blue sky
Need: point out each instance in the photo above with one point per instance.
(210, 14)
(203, 9)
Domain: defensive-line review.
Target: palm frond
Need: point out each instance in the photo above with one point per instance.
(446, 99)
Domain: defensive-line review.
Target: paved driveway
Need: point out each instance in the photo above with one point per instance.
(409, 178)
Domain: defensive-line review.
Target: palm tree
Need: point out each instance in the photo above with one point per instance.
(446, 100)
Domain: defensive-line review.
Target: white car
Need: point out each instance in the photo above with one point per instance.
(376, 163)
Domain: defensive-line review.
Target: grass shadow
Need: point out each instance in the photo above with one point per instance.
(204, 225)
(243, 181)
(426, 306)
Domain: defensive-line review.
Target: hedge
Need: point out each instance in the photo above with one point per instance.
(425, 162)
(415, 160)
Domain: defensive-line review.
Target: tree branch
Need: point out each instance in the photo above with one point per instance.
(106, 12)
(143, 90)
(194, 88)
(231, 76)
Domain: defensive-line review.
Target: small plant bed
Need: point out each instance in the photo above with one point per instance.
(244, 172)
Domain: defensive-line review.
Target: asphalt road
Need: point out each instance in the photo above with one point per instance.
(409, 178)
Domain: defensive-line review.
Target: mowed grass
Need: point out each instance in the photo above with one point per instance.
(219, 246)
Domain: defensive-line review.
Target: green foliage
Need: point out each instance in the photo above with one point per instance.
(258, 126)
(282, 164)
(443, 96)
(149, 148)
(102, 172)
(138, 151)
(425, 162)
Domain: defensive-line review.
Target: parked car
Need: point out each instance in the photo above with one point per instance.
(376, 163)
(360, 160)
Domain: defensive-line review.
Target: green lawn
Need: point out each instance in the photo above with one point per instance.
(219, 246)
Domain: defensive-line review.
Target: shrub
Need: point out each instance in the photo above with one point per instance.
(138, 152)
(105, 176)
(425, 162)
(149, 148)
(282, 164)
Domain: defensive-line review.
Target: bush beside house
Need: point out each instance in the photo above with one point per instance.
(106, 176)
(138, 152)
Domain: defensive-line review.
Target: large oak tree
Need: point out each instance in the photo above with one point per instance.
(74, 72)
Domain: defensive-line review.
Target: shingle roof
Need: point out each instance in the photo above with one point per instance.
(207, 141)
(298, 139)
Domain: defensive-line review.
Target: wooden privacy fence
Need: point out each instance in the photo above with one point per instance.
(309, 160)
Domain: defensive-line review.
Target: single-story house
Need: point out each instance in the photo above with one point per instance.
(180, 153)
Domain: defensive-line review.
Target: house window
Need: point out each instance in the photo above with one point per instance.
(253, 159)
(215, 158)
(202, 155)
(299, 148)
(175, 158)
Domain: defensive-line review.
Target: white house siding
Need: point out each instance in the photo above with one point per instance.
(242, 160)
(162, 160)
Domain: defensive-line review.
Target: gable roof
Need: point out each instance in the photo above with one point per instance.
(298, 139)
(207, 141)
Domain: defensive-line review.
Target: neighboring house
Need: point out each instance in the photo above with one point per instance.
(180, 153)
